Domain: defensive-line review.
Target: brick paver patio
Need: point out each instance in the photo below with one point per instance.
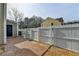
(11, 50)
(17, 46)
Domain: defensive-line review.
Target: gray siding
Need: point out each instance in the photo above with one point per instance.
(1, 23)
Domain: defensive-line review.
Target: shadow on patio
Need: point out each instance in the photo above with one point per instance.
(11, 50)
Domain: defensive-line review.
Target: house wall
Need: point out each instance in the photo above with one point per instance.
(2, 23)
(48, 22)
(14, 27)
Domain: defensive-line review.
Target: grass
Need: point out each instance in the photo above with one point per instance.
(1, 49)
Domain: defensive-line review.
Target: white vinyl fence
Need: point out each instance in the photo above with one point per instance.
(31, 33)
(66, 36)
(45, 35)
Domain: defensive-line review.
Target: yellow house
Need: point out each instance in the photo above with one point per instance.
(50, 22)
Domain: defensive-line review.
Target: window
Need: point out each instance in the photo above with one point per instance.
(51, 24)
(20, 33)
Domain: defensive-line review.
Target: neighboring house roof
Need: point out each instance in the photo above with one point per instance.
(51, 22)
(48, 18)
(56, 19)
(12, 21)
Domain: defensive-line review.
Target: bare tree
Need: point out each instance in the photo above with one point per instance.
(32, 22)
(15, 15)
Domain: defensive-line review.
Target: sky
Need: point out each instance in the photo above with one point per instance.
(69, 11)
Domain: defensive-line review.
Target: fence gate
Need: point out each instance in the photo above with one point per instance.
(34, 35)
